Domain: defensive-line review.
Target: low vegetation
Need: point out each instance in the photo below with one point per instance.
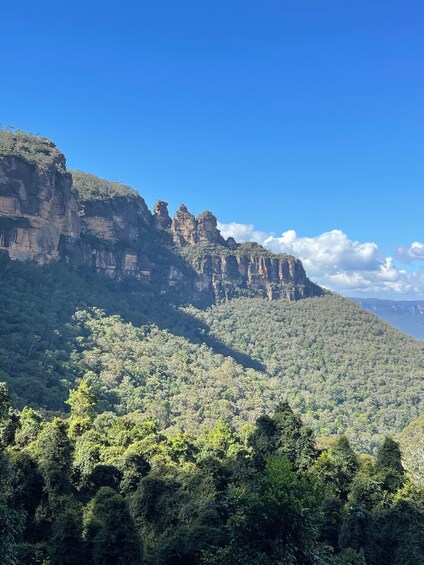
(92, 188)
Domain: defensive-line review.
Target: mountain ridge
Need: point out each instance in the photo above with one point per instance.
(48, 213)
(405, 315)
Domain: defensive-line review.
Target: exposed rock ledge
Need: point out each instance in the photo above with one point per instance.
(107, 227)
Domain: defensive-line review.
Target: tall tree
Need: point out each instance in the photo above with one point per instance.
(54, 454)
(66, 546)
(389, 465)
(83, 402)
(111, 535)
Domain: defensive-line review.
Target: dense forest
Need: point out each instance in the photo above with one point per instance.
(342, 368)
(102, 489)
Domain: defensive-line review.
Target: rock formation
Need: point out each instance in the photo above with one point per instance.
(37, 204)
(245, 272)
(112, 232)
(107, 227)
(207, 231)
(184, 227)
(161, 215)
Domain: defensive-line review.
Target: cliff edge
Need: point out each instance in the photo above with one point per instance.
(48, 213)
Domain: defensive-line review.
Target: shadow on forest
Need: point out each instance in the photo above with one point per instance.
(37, 334)
(194, 330)
(150, 307)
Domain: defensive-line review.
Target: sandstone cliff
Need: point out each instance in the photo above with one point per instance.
(115, 222)
(47, 214)
(37, 202)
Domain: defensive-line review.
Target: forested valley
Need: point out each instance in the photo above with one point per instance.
(171, 397)
(135, 431)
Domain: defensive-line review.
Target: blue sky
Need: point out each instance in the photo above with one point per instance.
(285, 115)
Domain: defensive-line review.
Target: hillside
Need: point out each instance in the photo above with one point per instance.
(167, 318)
(405, 315)
(147, 373)
(102, 489)
(341, 367)
(411, 441)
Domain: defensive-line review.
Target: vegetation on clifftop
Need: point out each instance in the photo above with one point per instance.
(92, 188)
(32, 148)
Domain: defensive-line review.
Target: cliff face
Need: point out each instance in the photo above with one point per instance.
(248, 271)
(272, 278)
(37, 206)
(107, 227)
(112, 232)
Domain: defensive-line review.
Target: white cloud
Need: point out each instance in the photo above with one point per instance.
(341, 264)
(242, 232)
(415, 252)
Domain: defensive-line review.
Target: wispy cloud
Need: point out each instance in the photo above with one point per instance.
(341, 264)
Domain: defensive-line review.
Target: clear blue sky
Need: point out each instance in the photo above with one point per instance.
(291, 114)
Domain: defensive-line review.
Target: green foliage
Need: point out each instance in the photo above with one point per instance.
(8, 420)
(38, 334)
(285, 435)
(339, 366)
(185, 387)
(92, 188)
(351, 557)
(54, 454)
(345, 465)
(66, 545)
(112, 538)
(411, 442)
(402, 528)
(25, 490)
(83, 404)
(389, 465)
(29, 426)
(11, 520)
(123, 492)
(343, 369)
(278, 521)
(10, 528)
(32, 148)
(102, 476)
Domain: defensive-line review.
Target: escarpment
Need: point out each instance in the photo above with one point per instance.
(37, 202)
(49, 214)
(115, 221)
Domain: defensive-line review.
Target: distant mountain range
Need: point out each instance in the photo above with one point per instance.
(405, 315)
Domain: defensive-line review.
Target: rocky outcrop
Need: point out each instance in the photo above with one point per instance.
(112, 232)
(231, 243)
(37, 206)
(106, 227)
(187, 230)
(161, 218)
(249, 271)
(118, 219)
(184, 227)
(207, 230)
